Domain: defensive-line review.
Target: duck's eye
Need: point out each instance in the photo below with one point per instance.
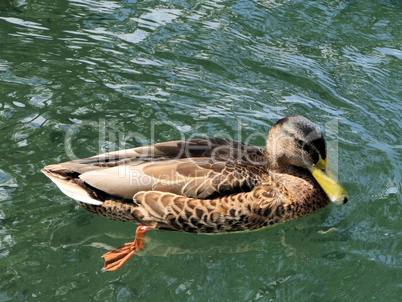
(311, 151)
(306, 147)
(316, 158)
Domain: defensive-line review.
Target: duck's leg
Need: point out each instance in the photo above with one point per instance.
(116, 258)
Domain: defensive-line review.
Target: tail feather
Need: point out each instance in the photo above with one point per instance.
(68, 185)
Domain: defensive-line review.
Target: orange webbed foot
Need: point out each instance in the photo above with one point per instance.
(116, 258)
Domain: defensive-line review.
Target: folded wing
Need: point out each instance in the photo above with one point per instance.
(199, 168)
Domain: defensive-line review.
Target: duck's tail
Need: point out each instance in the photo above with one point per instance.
(72, 186)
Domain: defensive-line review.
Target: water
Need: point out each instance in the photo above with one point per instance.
(82, 77)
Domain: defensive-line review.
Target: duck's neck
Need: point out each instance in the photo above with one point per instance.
(299, 185)
(274, 162)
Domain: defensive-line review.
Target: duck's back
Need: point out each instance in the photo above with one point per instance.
(197, 168)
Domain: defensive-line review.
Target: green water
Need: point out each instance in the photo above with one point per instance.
(82, 77)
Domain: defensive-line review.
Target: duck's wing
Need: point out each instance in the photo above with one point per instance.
(198, 168)
(214, 148)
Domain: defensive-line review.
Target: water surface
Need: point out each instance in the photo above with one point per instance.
(82, 77)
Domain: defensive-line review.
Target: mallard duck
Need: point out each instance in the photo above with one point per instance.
(205, 185)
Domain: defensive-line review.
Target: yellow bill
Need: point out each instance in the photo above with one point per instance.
(323, 175)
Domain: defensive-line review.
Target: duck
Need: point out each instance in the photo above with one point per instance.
(213, 185)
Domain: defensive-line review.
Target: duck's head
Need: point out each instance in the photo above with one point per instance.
(295, 141)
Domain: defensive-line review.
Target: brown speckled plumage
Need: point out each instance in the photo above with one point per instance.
(236, 212)
(201, 185)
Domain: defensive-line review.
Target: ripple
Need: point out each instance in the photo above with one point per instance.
(115, 74)
(390, 51)
(28, 24)
(97, 6)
